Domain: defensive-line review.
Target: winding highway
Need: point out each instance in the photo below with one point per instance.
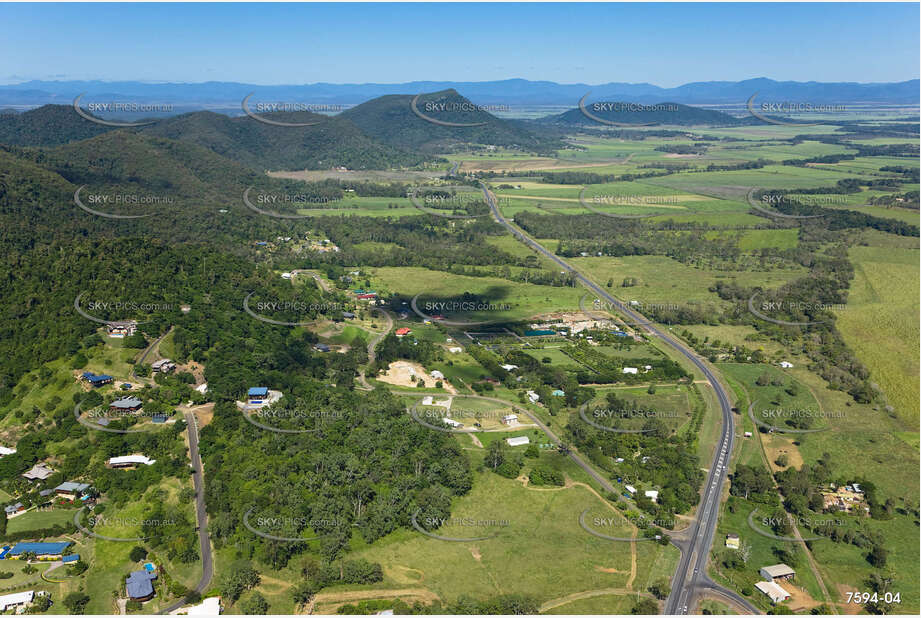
(690, 579)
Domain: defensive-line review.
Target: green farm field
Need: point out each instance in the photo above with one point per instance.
(661, 279)
(884, 292)
(524, 300)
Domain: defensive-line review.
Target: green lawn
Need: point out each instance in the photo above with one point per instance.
(35, 519)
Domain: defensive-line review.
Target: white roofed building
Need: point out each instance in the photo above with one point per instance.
(518, 441)
(208, 607)
(773, 591)
(16, 599)
(130, 460)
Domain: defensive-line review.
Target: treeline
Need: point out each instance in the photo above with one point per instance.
(834, 219)
(506, 604)
(684, 149)
(575, 178)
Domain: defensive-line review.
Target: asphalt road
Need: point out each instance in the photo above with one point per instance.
(207, 560)
(686, 582)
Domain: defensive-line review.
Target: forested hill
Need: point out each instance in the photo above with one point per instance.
(188, 186)
(657, 113)
(391, 120)
(331, 142)
(48, 125)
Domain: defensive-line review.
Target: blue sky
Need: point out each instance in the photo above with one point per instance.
(663, 44)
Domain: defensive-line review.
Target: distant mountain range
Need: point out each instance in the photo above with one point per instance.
(510, 92)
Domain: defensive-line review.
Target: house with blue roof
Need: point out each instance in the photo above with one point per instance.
(14, 509)
(71, 558)
(139, 585)
(42, 551)
(257, 394)
(99, 380)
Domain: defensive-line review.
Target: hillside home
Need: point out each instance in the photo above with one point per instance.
(38, 472)
(70, 490)
(120, 330)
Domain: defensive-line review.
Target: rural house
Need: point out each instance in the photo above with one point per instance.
(38, 472)
(97, 381)
(71, 490)
(139, 585)
(17, 599)
(42, 551)
(164, 365)
(120, 330)
(126, 404)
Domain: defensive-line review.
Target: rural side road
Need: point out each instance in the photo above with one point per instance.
(372, 344)
(204, 541)
(685, 587)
